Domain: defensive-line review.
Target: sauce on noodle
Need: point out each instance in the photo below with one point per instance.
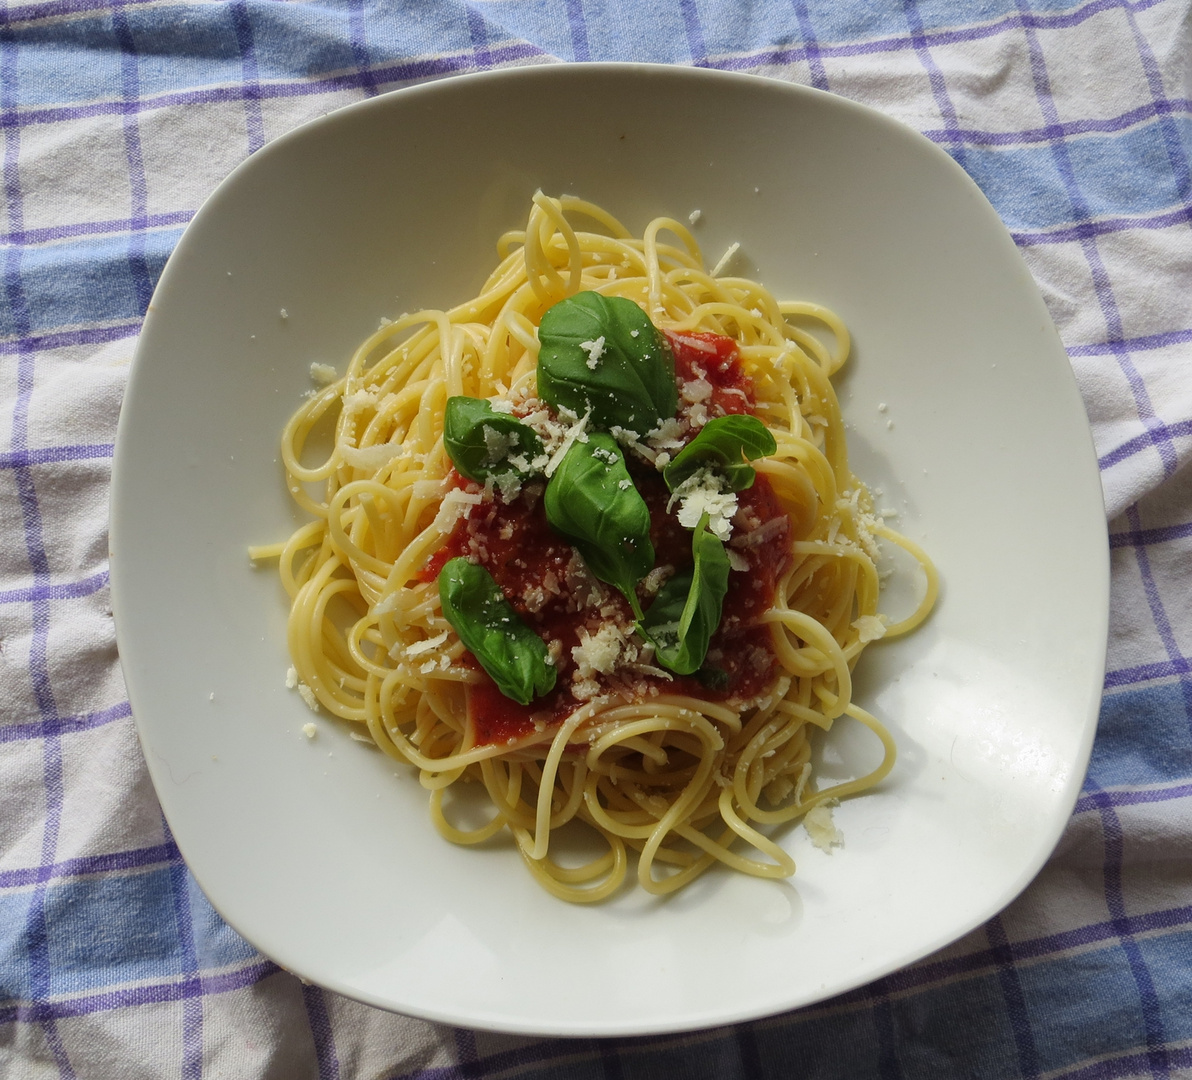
(547, 584)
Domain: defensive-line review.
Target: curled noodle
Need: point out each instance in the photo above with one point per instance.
(682, 781)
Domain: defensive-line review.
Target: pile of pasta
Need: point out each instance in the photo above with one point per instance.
(679, 781)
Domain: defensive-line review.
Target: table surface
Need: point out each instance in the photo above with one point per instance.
(119, 119)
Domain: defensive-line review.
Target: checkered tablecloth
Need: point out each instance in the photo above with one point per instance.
(118, 119)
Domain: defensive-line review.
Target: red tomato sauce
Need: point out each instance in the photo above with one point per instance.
(714, 358)
(547, 584)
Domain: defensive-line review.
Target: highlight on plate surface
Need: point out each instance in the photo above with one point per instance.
(589, 544)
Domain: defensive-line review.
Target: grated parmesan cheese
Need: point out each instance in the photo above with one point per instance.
(308, 695)
(323, 374)
(358, 401)
(575, 433)
(697, 344)
(667, 435)
(497, 444)
(601, 652)
(309, 730)
(426, 644)
(822, 830)
(725, 259)
(701, 494)
(509, 485)
(870, 627)
(456, 504)
(594, 349)
(656, 578)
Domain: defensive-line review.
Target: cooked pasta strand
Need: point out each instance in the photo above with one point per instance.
(678, 778)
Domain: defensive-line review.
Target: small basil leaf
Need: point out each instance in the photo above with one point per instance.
(481, 442)
(493, 632)
(714, 678)
(591, 499)
(602, 353)
(720, 444)
(686, 612)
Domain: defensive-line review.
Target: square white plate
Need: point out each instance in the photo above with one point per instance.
(322, 857)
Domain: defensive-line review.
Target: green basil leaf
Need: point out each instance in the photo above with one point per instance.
(602, 354)
(493, 632)
(591, 499)
(481, 442)
(713, 678)
(720, 444)
(686, 612)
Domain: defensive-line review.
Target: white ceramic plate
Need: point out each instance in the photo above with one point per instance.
(324, 859)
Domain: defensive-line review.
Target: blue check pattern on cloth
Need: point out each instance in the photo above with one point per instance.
(119, 118)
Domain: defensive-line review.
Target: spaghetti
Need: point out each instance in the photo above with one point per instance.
(686, 766)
